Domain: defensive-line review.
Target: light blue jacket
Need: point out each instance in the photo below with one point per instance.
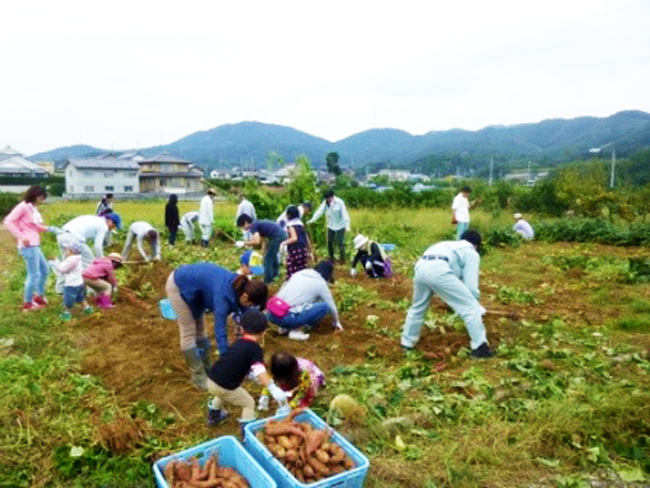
(464, 261)
(336, 214)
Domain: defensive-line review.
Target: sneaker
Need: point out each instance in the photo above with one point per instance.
(216, 417)
(297, 335)
(282, 332)
(88, 310)
(40, 300)
(28, 306)
(65, 316)
(483, 352)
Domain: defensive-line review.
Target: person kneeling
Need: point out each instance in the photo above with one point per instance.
(373, 258)
(100, 276)
(226, 376)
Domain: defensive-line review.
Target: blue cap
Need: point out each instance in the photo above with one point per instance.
(117, 220)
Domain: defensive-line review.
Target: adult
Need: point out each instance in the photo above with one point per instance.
(372, 257)
(297, 243)
(304, 209)
(522, 227)
(105, 205)
(460, 210)
(86, 227)
(140, 231)
(245, 207)
(449, 269)
(25, 223)
(187, 225)
(206, 217)
(273, 236)
(309, 299)
(338, 222)
(193, 290)
(172, 220)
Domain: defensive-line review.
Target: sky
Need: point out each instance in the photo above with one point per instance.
(138, 73)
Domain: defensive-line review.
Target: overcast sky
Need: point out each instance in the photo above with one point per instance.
(136, 73)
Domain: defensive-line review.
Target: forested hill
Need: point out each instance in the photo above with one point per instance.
(550, 141)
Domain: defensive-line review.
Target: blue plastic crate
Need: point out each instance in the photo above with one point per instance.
(388, 247)
(166, 309)
(231, 454)
(353, 478)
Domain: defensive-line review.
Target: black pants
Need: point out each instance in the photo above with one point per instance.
(339, 237)
(172, 237)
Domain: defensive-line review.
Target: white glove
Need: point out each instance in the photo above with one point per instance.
(368, 265)
(481, 309)
(115, 289)
(338, 326)
(284, 410)
(263, 403)
(353, 272)
(283, 249)
(347, 229)
(277, 393)
(239, 244)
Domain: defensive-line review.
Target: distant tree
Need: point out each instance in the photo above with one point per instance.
(274, 160)
(332, 160)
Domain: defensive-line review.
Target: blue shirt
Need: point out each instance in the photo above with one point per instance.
(208, 287)
(268, 229)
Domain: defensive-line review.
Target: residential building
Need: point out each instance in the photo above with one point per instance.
(169, 174)
(101, 175)
(14, 163)
(395, 174)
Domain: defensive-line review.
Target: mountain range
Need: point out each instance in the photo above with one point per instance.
(548, 142)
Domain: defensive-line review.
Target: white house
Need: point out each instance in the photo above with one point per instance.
(101, 175)
(14, 163)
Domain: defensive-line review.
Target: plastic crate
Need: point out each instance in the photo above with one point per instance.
(166, 309)
(388, 247)
(231, 454)
(353, 478)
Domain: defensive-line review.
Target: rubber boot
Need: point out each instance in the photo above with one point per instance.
(195, 363)
(204, 243)
(216, 416)
(104, 301)
(205, 350)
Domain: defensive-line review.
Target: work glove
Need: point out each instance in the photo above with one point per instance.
(353, 272)
(239, 244)
(263, 403)
(368, 265)
(482, 310)
(347, 229)
(338, 326)
(284, 410)
(55, 230)
(277, 393)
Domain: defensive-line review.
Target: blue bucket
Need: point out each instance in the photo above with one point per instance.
(166, 309)
(388, 247)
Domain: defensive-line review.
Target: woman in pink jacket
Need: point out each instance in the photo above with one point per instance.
(26, 224)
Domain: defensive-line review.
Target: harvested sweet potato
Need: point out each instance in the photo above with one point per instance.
(170, 473)
(284, 429)
(183, 471)
(309, 471)
(291, 456)
(314, 440)
(348, 463)
(322, 456)
(277, 450)
(336, 469)
(319, 467)
(285, 442)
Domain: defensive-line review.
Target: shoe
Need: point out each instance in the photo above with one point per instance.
(483, 352)
(104, 301)
(297, 335)
(88, 310)
(65, 316)
(29, 306)
(282, 332)
(40, 300)
(216, 416)
(407, 349)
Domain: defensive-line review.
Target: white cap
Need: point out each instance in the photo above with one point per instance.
(518, 216)
(360, 241)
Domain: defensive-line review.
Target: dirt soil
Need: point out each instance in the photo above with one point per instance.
(136, 354)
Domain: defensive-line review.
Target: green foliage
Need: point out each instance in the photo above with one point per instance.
(7, 202)
(332, 160)
(593, 230)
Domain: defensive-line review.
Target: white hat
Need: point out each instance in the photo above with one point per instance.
(359, 241)
(518, 216)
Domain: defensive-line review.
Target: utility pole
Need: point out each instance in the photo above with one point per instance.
(491, 166)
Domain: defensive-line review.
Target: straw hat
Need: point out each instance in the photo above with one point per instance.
(359, 241)
(114, 256)
(518, 216)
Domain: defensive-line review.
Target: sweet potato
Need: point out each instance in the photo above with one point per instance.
(322, 456)
(283, 429)
(326, 446)
(170, 473)
(291, 456)
(183, 471)
(338, 454)
(336, 469)
(277, 450)
(284, 441)
(348, 463)
(319, 467)
(309, 471)
(314, 440)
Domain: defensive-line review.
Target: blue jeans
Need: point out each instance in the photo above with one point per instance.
(271, 262)
(309, 316)
(72, 295)
(36, 271)
(461, 227)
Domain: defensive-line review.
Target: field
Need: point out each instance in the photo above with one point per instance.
(93, 402)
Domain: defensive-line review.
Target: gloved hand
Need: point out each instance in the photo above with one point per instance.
(263, 403)
(347, 229)
(277, 393)
(239, 244)
(482, 310)
(54, 230)
(115, 289)
(368, 265)
(353, 272)
(284, 410)
(338, 327)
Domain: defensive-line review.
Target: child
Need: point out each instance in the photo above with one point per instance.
(100, 276)
(299, 377)
(298, 245)
(226, 376)
(74, 290)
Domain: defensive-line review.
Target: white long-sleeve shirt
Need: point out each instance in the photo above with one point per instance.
(245, 207)
(139, 230)
(463, 260)
(524, 229)
(307, 286)
(206, 211)
(87, 227)
(460, 206)
(336, 214)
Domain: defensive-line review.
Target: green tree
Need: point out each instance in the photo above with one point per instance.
(332, 160)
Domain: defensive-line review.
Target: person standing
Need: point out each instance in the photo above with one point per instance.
(245, 207)
(460, 210)
(26, 224)
(338, 222)
(193, 290)
(206, 217)
(297, 244)
(304, 209)
(523, 228)
(172, 220)
(140, 231)
(105, 205)
(74, 290)
(273, 236)
(187, 225)
(450, 270)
